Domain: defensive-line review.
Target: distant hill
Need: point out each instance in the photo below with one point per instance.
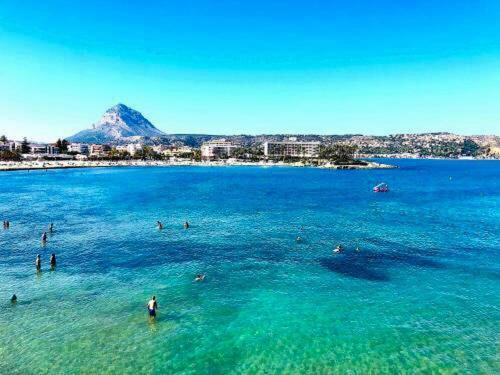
(117, 125)
(121, 124)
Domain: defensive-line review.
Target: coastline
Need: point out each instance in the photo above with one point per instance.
(71, 164)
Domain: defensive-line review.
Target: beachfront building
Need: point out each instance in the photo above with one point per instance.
(291, 148)
(8, 146)
(43, 149)
(37, 148)
(99, 150)
(131, 148)
(78, 148)
(173, 151)
(217, 149)
(52, 150)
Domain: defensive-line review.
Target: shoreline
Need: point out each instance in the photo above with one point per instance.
(73, 164)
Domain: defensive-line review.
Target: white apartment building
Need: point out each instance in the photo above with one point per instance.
(292, 148)
(79, 148)
(8, 146)
(216, 149)
(131, 148)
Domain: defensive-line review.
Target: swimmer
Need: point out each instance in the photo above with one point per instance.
(44, 237)
(298, 239)
(358, 249)
(159, 225)
(53, 261)
(186, 225)
(152, 307)
(13, 299)
(38, 263)
(338, 249)
(199, 277)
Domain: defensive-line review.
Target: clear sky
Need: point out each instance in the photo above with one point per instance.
(260, 66)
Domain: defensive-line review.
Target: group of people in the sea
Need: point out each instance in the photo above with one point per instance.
(52, 261)
(340, 249)
(159, 224)
(152, 304)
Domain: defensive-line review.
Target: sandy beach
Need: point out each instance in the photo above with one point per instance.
(63, 164)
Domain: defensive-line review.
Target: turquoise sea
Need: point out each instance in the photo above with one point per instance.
(421, 296)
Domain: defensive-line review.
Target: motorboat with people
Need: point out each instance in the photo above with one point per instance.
(381, 188)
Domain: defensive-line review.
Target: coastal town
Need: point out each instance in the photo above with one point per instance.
(62, 154)
(221, 151)
(123, 136)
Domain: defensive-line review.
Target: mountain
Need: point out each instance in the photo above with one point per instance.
(118, 124)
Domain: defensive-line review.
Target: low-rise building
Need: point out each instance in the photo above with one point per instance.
(291, 148)
(131, 148)
(53, 150)
(37, 148)
(217, 149)
(99, 150)
(79, 148)
(8, 146)
(173, 151)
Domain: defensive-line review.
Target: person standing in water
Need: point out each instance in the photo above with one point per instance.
(38, 263)
(186, 225)
(51, 227)
(13, 299)
(159, 224)
(44, 237)
(152, 307)
(53, 261)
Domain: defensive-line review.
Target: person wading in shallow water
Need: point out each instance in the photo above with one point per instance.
(38, 263)
(159, 224)
(152, 307)
(53, 261)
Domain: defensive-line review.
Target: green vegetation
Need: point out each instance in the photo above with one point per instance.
(10, 155)
(62, 145)
(339, 153)
(115, 154)
(250, 153)
(25, 146)
(470, 148)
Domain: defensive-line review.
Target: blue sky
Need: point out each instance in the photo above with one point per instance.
(232, 67)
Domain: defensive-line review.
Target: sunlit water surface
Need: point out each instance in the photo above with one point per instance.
(421, 294)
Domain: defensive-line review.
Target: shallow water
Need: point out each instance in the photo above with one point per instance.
(422, 294)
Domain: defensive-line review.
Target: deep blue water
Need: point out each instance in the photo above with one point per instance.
(421, 294)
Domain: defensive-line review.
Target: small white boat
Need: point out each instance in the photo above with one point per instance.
(381, 188)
